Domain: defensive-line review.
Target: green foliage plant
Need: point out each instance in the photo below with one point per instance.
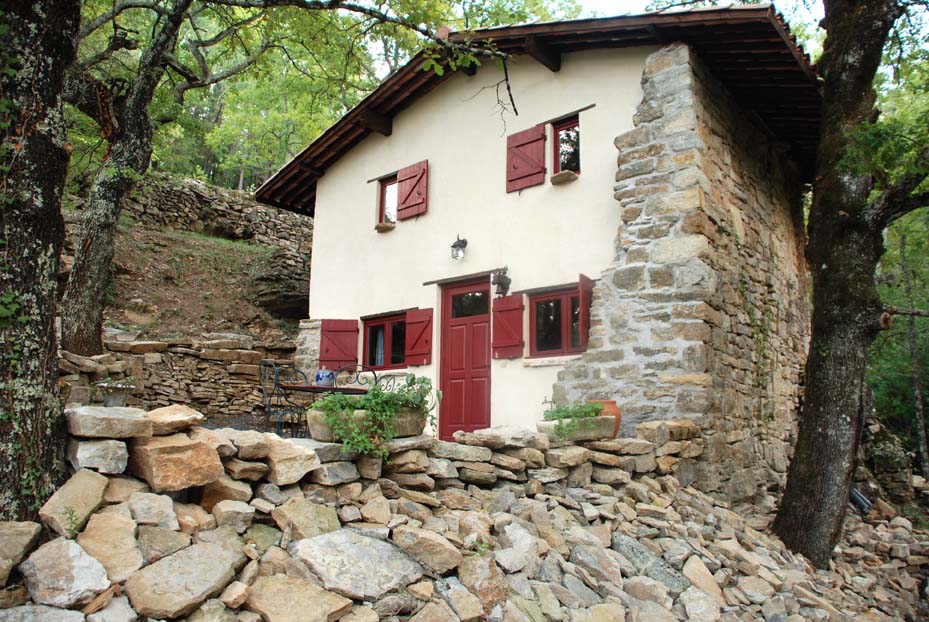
(572, 418)
(367, 435)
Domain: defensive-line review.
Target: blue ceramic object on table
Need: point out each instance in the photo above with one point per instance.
(325, 377)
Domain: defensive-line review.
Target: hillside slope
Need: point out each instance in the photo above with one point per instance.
(168, 283)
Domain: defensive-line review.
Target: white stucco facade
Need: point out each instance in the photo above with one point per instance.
(545, 235)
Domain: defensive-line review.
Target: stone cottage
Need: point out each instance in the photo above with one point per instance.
(634, 233)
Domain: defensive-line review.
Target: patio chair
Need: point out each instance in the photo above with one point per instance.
(293, 404)
(355, 375)
(271, 394)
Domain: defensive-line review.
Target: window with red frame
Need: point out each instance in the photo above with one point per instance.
(387, 204)
(385, 342)
(567, 145)
(555, 324)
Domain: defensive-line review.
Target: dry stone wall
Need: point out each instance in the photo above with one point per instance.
(703, 313)
(217, 375)
(191, 205)
(165, 519)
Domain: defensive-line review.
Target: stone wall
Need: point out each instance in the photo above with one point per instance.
(191, 205)
(306, 358)
(217, 375)
(164, 519)
(703, 314)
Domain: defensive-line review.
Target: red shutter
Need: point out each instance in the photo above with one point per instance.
(412, 190)
(419, 337)
(585, 287)
(525, 158)
(338, 344)
(508, 327)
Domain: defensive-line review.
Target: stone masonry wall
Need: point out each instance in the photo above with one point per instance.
(191, 205)
(306, 358)
(217, 375)
(702, 313)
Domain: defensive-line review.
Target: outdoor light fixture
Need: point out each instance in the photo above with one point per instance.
(458, 248)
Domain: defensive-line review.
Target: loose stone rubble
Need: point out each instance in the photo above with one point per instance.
(502, 526)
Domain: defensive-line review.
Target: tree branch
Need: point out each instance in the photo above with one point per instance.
(213, 78)
(378, 15)
(92, 97)
(118, 8)
(904, 311)
(898, 200)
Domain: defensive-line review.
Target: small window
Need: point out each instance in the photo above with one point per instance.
(385, 342)
(567, 142)
(472, 303)
(555, 324)
(387, 205)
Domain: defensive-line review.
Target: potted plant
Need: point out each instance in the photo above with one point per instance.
(364, 423)
(595, 420)
(116, 390)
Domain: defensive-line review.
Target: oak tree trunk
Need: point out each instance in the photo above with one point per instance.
(40, 42)
(914, 362)
(843, 251)
(85, 295)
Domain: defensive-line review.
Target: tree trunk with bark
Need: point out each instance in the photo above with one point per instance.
(845, 244)
(127, 127)
(85, 295)
(914, 362)
(40, 42)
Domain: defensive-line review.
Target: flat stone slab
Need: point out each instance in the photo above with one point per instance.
(502, 436)
(649, 564)
(457, 451)
(61, 574)
(103, 422)
(104, 456)
(67, 510)
(16, 539)
(326, 452)
(356, 566)
(174, 418)
(305, 518)
(110, 539)
(289, 462)
(174, 462)
(177, 584)
(288, 599)
(39, 613)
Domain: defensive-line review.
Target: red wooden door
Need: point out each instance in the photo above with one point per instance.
(465, 358)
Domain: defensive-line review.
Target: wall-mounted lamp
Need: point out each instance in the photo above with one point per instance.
(458, 248)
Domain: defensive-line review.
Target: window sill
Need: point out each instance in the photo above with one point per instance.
(550, 361)
(384, 227)
(563, 177)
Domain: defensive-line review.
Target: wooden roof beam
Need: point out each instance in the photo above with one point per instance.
(543, 53)
(376, 122)
(312, 170)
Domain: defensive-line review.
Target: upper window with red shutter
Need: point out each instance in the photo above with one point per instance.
(525, 159)
(566, 139)
(412, 190)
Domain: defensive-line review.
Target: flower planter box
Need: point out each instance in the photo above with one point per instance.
(408, 422)
(592, 429)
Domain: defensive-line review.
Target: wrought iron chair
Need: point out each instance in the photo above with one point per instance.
(271, 394)
(363, 376)
(291, 418)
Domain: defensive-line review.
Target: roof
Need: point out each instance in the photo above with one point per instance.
(749, 48)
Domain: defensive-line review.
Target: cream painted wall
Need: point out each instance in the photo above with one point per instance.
(546, 234)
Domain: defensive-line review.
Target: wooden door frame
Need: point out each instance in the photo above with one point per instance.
(446, 289)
